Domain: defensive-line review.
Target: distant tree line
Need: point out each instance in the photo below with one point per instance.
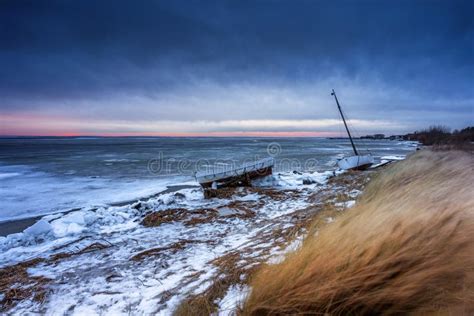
(442, 135)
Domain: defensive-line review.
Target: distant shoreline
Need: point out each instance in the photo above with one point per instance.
(163, 136)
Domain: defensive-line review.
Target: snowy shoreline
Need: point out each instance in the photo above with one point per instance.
(17, 225)
(67, 175)
(108, 259)
(180, 256)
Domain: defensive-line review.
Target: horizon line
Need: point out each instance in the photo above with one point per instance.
(177, 135)
(165, 136)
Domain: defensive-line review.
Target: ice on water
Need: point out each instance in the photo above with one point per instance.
(107, 280)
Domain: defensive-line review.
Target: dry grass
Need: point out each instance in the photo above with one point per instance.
(189, 217)
(167, 216)
(406, 247)
(174, 247)
(229, 273)
(237, 266)
(464, 146)
(16, 285)
(229, 192)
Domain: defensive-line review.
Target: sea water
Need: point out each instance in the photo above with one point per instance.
(46, 175)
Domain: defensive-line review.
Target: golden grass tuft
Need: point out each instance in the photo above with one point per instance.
(406, 247)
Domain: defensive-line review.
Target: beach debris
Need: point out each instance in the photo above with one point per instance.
(191, 249)
(188, 217)
(309, 180)
(192, 217)
(17, 285)
(166, 216)
(137, 206)
(157, 251)
(241, 175)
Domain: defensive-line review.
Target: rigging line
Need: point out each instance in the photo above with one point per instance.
(341, 132)
(341, 115)
(352, 127)
(345, 137)
(361, 143)
(345, 124)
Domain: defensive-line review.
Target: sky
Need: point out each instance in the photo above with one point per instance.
(234, 68)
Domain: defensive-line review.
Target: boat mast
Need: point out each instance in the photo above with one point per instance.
(345, 124)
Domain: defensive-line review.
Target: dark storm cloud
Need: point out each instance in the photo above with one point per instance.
(54, 53)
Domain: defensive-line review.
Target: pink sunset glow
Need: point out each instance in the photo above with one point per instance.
(43, 125)
(31, 124)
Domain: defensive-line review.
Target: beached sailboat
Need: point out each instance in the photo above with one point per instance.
(237, 176)
(357, 161)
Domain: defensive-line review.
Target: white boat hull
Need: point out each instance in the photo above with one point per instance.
(360, 162)
(251, 170)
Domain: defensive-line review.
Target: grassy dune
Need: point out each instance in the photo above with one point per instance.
(406, 247)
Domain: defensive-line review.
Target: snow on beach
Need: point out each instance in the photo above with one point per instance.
(147, 257)
(105, 260)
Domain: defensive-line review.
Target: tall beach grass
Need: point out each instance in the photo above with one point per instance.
(407, 247)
